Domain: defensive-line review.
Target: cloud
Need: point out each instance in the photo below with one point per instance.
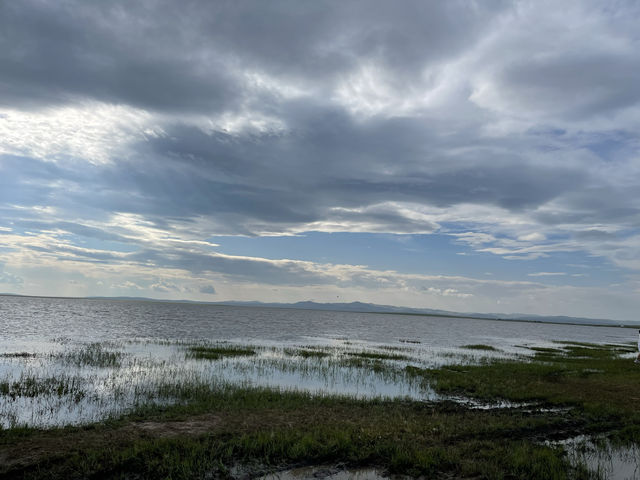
(208, 290)
(10, 279)
(447, 292)
(547, 274)
(136, 55)
(132, 134)
(127, 285)
(163, 286)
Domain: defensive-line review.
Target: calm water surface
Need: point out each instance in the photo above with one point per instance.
(34, 319)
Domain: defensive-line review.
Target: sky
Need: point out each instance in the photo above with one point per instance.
(474, 156)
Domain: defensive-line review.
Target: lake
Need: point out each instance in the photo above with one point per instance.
(38, 319)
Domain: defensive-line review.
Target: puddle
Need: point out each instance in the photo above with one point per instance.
(331, 473)
(603, 458)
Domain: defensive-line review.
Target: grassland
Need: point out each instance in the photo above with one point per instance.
(216, 431)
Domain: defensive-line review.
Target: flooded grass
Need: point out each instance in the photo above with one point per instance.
(377, 355)
(218, 352)
(480, 346)
(603, 456)
(31, 387)
(92, 355)
(306, 353)
(156, 410)
(591, 377)
(17, 355)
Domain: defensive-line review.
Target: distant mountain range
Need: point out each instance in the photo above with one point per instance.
(374, 308)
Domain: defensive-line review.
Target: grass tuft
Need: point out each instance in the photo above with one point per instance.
(377, 355)
(92, 355)
(218, 352)
(480, 346)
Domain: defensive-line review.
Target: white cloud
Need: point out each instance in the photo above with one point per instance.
(94, 132)
(127, 285)
(532, 237)
(547, 274)
(10, 279)
(164, 287)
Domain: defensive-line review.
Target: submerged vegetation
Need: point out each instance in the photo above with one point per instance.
(472, 417)
(218, 352)
(378, 356)
(480, 346)
(92, 355)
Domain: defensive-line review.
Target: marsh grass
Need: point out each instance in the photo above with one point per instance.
(184, 420)
(591, 377)
(307, 352)
(30, 387)
(274, 429)
(369, 355)
(92, 355)
(480, 346)
(219, 351)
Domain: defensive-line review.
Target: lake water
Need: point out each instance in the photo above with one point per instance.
(73, 361)
(35, 319)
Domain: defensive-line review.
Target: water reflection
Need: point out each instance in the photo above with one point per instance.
(75, 383)
(605, 459)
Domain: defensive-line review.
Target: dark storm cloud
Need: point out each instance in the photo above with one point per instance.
(53, 52)
(577, 85)
(300, 177)
(275, 181)
(288, 180)
(191, 56)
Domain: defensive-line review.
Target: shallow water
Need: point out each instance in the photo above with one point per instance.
(600, 456)
(67, 386)
(330, 473)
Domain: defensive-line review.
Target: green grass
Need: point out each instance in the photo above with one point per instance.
(481, 346)
(272, 429)
(92, 355)
(306, 353)
(218, 352)
(593, 378)
(377, 355)
(30, 387)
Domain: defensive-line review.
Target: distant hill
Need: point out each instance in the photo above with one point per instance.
(375, 308)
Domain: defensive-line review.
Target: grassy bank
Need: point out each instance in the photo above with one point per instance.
(211, 433)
